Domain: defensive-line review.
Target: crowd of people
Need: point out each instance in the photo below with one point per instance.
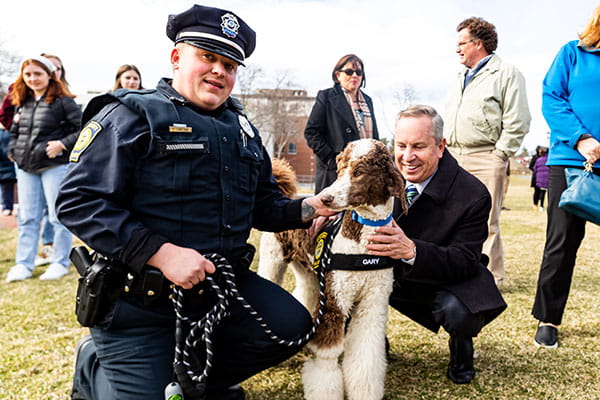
(141, 190)
(40, 123)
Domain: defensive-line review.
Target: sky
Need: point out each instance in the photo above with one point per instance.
(402, 43)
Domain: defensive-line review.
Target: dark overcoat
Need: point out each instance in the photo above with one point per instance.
(448, 223)
(330, 127)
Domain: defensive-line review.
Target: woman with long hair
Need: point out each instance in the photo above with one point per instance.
(128, 77)
(44, 129)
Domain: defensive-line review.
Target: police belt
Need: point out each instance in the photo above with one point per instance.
(151, 286)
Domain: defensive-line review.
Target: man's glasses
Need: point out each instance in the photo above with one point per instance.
(461, 44)
(350, 71)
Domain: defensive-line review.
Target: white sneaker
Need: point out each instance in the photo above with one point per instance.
(44, 256)
(53, 272)
(18, 273)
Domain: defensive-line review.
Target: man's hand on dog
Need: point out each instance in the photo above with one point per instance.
(390, 241)
(315, 206)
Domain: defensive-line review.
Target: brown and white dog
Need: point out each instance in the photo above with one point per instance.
(293, 248)
(365, 188)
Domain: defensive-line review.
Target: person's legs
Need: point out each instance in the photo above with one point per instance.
(564, 233)
(491, 170)
(31, 202)
(8, 190)
(63, 239)
(131, 359)
(462, 325)
(542, 196)
(537, 193)
(47, 229)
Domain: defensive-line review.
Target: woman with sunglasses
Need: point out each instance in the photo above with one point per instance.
(340, 115)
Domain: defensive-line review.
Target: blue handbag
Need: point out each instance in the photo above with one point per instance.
(582, 195)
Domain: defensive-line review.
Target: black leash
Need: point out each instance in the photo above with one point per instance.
(190, 368)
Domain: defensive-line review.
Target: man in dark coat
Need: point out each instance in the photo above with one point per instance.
(440, 279)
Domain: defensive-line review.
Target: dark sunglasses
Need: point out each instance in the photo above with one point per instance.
(350, 71)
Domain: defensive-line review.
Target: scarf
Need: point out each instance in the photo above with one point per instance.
(362, 115)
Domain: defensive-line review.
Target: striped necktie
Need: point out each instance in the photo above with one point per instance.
(411, 193)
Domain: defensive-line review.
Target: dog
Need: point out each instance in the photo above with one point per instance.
(356, 296)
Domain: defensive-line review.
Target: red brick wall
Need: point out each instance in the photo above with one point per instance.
(304, 161)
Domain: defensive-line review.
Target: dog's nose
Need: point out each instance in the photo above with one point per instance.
(327, 199)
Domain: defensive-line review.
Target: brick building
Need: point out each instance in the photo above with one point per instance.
(280, 115)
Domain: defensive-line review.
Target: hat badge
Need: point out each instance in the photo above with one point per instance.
(229, 25)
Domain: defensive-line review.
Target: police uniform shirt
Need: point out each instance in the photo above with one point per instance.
(124, 198)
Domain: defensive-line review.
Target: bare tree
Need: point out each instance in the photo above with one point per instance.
(247, 80)
(9, 66)
(276, 111)
(405, 96)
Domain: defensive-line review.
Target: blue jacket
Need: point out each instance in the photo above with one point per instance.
(570, 102)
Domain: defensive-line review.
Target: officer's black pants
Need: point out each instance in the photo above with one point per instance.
(132, 357)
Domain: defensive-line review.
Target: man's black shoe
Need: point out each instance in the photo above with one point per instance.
(546, 336)
(460, 369)
(235, 392)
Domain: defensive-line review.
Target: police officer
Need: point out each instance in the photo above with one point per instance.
(157, 179)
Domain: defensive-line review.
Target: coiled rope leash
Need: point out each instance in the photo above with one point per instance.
(187, 366)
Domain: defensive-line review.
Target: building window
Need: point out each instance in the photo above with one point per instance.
(291, 148)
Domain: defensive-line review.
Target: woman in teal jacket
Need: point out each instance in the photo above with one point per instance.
(571, 107)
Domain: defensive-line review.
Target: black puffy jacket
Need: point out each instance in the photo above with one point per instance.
(35, 124)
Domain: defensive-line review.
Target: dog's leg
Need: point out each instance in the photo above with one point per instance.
(270, 264)
(307, 287)
(322, 375)
(365, 362)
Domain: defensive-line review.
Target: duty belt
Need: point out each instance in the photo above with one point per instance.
(151, 285)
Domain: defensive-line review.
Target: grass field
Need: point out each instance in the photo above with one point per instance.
(38, 332)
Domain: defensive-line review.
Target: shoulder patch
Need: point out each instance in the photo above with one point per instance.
(87, 134)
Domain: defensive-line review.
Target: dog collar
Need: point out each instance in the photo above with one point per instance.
(371, 222)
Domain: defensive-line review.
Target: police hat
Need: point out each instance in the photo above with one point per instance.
(213, 29)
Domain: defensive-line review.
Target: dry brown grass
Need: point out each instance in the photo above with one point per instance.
(38, 332)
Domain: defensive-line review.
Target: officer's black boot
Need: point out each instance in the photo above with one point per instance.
(460, 369)
(81, 344)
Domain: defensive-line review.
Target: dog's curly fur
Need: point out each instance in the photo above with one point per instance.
(367, 183)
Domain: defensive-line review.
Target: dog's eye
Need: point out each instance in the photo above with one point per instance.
(356, 173)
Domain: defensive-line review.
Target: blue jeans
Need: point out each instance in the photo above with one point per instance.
(47, 229)
(36, 190)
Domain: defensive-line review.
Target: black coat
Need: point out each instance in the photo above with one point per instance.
(7, 168)
(330, 127)
(35, 124)
(448, 224)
